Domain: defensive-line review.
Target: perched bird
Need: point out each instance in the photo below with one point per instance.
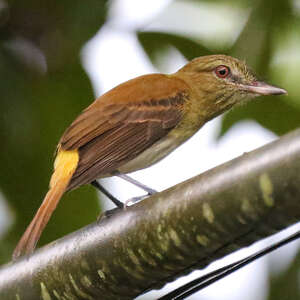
(138, 123)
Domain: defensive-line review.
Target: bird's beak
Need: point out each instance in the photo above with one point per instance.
(262, 88)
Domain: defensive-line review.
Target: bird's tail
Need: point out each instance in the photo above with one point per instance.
(64, 167)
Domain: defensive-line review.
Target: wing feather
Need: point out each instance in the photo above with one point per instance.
(123, 123)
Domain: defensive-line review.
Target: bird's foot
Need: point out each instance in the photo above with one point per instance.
(137, 199)
(127, 203)
(109, 213)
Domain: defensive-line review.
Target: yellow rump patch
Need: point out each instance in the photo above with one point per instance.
(65, 165)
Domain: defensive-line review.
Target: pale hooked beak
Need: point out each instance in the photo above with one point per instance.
(262, 88)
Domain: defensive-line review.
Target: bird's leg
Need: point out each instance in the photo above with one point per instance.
(98, 186)
(138, 184)
(118, 203)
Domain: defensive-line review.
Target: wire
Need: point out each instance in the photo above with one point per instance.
(208, 279)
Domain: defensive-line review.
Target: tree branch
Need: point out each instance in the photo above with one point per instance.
(169, 234)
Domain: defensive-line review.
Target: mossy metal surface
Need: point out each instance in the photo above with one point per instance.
(169, 234)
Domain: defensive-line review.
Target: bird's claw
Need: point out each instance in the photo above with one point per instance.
(108, 213)
(135, 200)
(129, 202)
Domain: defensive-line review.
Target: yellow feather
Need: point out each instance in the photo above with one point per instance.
(65, 165)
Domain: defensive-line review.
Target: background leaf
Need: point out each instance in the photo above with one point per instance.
(272, 113)
(154, 42)
(256, 44)
(43, 87)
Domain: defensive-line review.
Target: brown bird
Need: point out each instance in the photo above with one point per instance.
(138, 123)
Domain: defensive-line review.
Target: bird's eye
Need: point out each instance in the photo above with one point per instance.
(222, 71)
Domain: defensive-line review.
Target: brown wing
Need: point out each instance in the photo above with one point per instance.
(123, 123)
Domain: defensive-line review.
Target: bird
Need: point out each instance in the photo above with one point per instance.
(138, 123)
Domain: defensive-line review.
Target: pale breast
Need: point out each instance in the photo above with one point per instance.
(152, 155)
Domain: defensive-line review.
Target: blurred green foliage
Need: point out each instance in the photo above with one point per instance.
(154, 42)
(285, 284)
(43, 87)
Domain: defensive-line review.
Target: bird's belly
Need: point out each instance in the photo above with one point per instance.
(152, 155)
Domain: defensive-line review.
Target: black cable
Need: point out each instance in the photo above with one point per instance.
(206, 280)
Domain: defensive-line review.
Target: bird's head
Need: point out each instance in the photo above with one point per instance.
(223, 81)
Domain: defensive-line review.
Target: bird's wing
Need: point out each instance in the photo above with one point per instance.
(123, 123)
